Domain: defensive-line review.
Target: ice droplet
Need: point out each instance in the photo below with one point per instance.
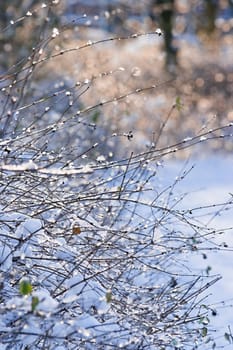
(158, 31)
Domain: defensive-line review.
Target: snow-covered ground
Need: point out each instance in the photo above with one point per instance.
(211, 182)
(110, 283)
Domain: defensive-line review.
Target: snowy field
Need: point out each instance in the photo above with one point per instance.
(210, 181)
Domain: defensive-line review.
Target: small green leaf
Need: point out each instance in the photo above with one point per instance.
(95, 116)
(204, 320)
(25, 287)
(108, 296)
(35, 302)
(178, 104)
(204, 332)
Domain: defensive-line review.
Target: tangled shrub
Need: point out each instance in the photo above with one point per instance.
(92, 250)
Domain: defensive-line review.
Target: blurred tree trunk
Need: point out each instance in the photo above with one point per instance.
(211, 13)
(163, 11)
(207, 19)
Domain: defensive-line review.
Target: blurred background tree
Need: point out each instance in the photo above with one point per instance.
(23, 25)
(164, 10)
(118, 18)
